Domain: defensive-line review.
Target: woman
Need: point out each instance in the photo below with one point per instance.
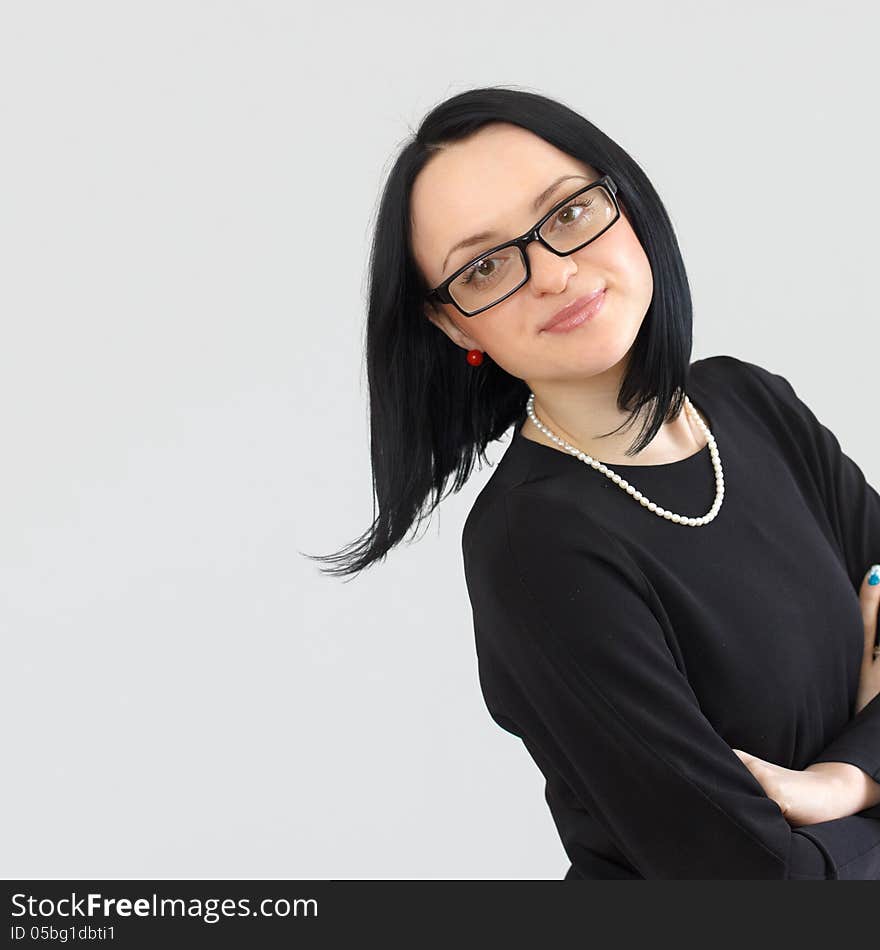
(680, 630)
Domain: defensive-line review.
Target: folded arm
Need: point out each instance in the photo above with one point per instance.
(578, 667)
(852, 507)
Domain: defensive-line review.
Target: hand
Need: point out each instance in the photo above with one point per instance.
(869, 678)
(805, 798)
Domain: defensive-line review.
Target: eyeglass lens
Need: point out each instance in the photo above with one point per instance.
(489, 279)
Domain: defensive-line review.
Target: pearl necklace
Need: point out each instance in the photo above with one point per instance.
(629, 489)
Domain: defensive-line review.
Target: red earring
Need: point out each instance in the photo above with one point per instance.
(475, 357)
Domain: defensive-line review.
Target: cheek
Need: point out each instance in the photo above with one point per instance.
(499, 338)
(633, 262)
(643, 279)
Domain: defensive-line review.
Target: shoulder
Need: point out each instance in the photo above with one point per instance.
(734, 368)
(754, 388)
(744, 372)
(551, 591)
(541, 537)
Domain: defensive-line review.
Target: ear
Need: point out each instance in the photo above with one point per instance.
(442, 321)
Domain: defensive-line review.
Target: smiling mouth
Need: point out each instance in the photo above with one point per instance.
(583, 310)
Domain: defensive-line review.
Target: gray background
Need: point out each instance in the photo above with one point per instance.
(183, 401)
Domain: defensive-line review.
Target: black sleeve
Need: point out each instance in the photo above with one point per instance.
(574, 660)
(853, 509)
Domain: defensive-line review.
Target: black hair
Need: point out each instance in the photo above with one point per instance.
(432, 414)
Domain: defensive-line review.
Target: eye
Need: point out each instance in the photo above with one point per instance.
(473, 272)
(576, 214)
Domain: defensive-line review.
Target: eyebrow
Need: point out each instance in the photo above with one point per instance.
(536, 206)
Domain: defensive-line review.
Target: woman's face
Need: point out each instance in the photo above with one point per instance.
(489, 183)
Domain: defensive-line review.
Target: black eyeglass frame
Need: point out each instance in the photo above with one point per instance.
(441, 292)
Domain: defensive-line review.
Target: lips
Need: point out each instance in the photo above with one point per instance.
(570, 310)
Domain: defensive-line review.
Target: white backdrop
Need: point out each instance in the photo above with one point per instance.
(183, 400)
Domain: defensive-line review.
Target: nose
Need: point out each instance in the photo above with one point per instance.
(550, 273)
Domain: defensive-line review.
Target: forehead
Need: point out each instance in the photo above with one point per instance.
(485, 182)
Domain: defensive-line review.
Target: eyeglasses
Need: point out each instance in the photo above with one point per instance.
(502, 270)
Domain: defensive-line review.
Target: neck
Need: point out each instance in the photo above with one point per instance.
(675, 440)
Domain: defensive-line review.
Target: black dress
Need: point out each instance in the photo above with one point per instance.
(631, 654)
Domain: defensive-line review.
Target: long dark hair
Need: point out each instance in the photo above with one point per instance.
(432, 415)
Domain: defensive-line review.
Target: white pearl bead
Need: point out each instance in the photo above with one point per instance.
(629, 489)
